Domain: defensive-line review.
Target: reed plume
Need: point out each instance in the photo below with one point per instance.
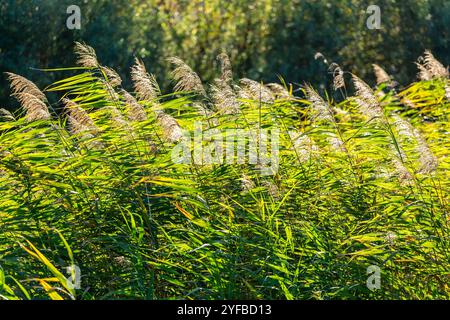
(434, 66)
(369, 105)
(430, 67)
(247, 183)
(427, 160)
(336, 143)
(250, 89)
(401, 172)
(381, 75)
(112, 76)
(117, 118)
(272, 189)
(5, 114)
(320, 107)
(30, 97)
(279, 91)
(145, 84)
(424, 74)
(86, 55)
(225, 67)
(224, 98)
(338, 76)
(79, 119)
(135, 111)
(303, 146)
(186, 78)
(20, 84)
(171, 129)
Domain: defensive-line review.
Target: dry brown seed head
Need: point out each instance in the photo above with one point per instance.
(250, 89)
(381, 75)
(187, 79)
(145, 84)
(86, 55)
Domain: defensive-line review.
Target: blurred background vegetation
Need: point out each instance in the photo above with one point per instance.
(264, 38)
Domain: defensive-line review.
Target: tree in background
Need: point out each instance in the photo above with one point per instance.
(264, 38)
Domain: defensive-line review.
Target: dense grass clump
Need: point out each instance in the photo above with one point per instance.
(361, 181)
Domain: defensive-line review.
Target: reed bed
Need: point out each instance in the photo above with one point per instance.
(90, 181)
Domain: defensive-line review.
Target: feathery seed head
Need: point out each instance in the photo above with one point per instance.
(435, 68)
(381, 75)
(79, 119)
(390, 238)
(30, 97)
(145, 84)
(135, 111)
(86, 55)
(187, 79)
(225, 67)
(247, 183)
(224, 98)
(113, 77)
(369, 104)
(336, 143)
(403, 127)
(401, 172)
(279, 91)
(254, 90)
(6, 115)
(303, 145)
(171, 129)
(320, 107)
(423, 74)
(338, 76)
(428, 161)
(272, 189)
(20, 84)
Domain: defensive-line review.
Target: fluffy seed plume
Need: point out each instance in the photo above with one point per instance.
(427, 160)
(338, 76)
(403, 174)
(381, 75)
(30, 97)
(171, 129)
(225, 67)
(336, 143)
(6, 115)
(79, 119)
(86, 55)
(135, 111)
(447, 91)
(20, 84)
(435, 68)
(367, 101)
(423, 74)
(113, 77)
(279, 91)
(251, 89)
(36, 109)
(224, 98)
(187, 79)
(145, 84)
(320, 107)
(304, 146)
